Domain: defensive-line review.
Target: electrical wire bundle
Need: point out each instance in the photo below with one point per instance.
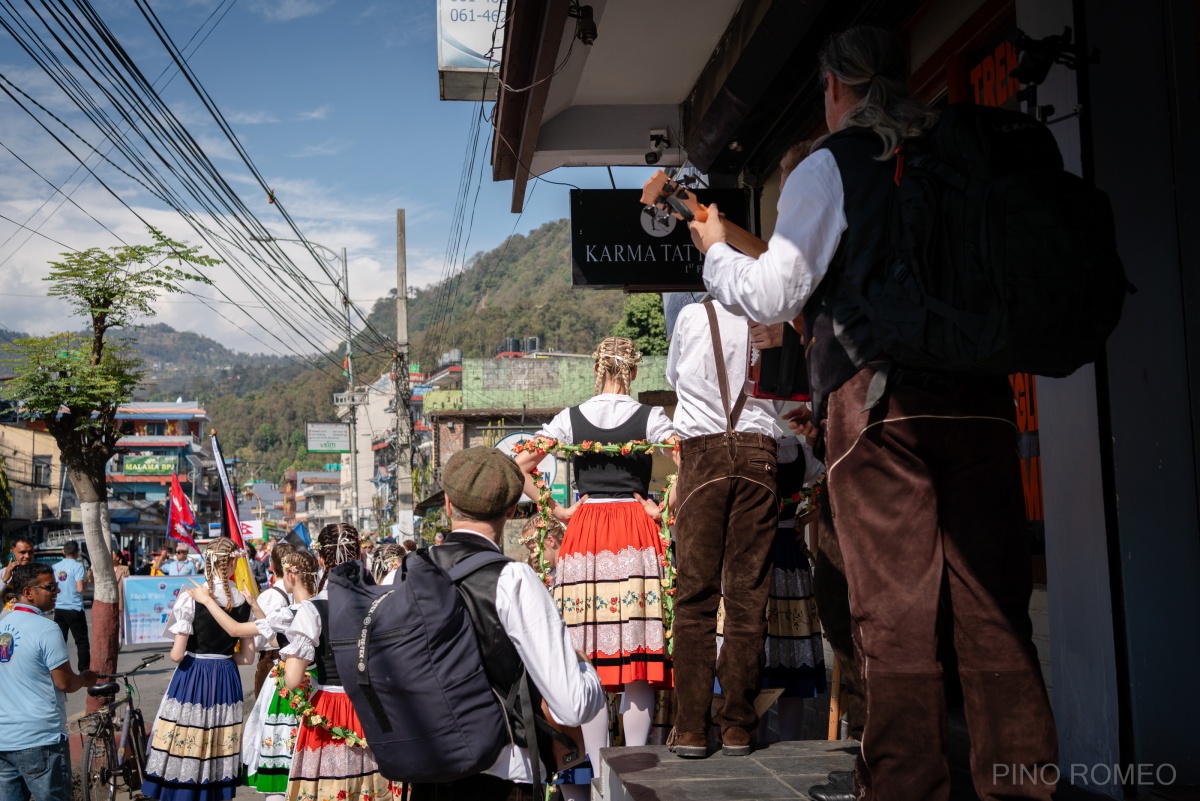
(142, 141)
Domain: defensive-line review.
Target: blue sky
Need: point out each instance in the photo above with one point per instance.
(336, 102)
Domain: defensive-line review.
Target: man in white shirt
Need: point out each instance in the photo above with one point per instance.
(725, 509)
(516, 621)
(923, 474)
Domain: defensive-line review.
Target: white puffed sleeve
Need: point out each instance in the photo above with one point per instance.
(277, 620)
(303, 634)
(182, 615)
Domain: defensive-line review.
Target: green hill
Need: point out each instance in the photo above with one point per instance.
(260, 403)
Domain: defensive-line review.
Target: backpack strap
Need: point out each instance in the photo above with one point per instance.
(731, 417)
(363, 676)
(524, 698)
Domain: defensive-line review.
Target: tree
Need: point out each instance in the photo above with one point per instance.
(75, 383)
(643, 322)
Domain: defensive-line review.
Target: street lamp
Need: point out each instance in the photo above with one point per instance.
(345, 290)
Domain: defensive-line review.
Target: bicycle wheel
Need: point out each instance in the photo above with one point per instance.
(98, 778)
(135, 756)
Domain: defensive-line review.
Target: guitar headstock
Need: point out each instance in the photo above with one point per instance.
(672, 197)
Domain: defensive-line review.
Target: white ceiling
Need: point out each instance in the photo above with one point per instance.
(647, 57)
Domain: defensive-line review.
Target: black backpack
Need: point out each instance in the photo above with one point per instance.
(1000, 261)
(411, 667)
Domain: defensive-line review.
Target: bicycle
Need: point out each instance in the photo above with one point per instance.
(109, 757)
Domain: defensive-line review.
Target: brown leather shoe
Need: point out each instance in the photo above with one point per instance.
(689, 746)
(736, 741)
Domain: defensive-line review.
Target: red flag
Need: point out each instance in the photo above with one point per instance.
(181, 523)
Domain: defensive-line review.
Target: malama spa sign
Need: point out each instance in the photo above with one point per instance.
(615, 244)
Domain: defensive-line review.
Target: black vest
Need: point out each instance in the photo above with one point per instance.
(501, 662)
(840, 334)
(327, 672)
(207, 635)
(603, 476)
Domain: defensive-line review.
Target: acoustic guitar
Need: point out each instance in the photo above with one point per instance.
(775, 373)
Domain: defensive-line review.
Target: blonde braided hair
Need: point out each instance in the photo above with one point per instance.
(615, 358)
(216, 561)
(386, 560)
(303, 565)
(338, 543)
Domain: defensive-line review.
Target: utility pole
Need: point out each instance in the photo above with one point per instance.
(350, 388)
(404, 436)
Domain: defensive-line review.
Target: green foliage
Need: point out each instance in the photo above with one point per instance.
(114, 288)
(642, 321)
(57, 372)
(522, 288)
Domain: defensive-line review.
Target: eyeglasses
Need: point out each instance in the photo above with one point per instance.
(47, 587)
(181, 553)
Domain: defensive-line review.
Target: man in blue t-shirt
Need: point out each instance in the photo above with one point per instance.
(71, 576)
(35, 672)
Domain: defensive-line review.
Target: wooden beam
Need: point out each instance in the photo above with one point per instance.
(554, 23)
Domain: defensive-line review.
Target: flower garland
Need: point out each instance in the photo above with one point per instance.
(299, 700)
(543, 446)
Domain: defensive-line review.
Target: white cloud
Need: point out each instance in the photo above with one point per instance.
(287, 10)
(251, 117)
(319, 113)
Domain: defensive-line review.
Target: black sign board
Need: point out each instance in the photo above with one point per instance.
(615, 244)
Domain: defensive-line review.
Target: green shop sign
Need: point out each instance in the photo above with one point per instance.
(150, 465)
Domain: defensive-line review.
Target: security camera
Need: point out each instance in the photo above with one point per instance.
(658, 142)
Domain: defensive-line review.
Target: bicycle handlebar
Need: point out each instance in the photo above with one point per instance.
(149, 660)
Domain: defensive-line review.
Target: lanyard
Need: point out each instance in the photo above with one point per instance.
(29, 609)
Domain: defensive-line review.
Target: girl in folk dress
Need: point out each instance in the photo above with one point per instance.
(607, 582)
(323, 766)
(272, 726)
(195, 750)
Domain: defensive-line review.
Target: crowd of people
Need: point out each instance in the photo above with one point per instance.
(924, 519)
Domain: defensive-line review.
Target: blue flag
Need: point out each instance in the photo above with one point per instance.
(301, 531)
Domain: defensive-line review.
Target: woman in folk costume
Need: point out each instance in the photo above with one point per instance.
(195, 750)
(272, 725)
(608, 579)
(325, 766)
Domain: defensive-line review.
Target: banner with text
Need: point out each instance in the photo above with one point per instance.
(328, 437)
(148, 602)
(156, 465)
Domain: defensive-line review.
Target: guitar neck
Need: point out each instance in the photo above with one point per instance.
(743, 240)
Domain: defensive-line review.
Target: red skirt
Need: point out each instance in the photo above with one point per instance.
(608, 587)
(325, 767)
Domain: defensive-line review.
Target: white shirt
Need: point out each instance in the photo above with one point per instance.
(183, 613)
(774, 287)
(276, 606)
(692, 373)
(531, 620)
(609, 410)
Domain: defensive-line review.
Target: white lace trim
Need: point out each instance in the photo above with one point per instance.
(173, 768)
(332, 762)
(199, 715)
(608, 566)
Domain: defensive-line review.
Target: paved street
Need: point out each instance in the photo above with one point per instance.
(151, 684)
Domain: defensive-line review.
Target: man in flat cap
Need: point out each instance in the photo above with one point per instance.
(516, 623)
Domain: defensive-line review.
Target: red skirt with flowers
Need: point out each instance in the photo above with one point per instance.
(325, 767)
(608, 587)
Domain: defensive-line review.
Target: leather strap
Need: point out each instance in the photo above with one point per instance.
(731, 416)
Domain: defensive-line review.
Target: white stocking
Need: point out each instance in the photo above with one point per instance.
(595, 737)
(574, 792)
(637, 712)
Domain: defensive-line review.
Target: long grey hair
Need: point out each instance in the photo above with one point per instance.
(871, 63)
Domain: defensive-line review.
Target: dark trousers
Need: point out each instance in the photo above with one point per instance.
(74, 621)
(725, 521)
(927, 500)
(479, 787)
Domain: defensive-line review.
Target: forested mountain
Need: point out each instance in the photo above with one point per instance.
(259, 403)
